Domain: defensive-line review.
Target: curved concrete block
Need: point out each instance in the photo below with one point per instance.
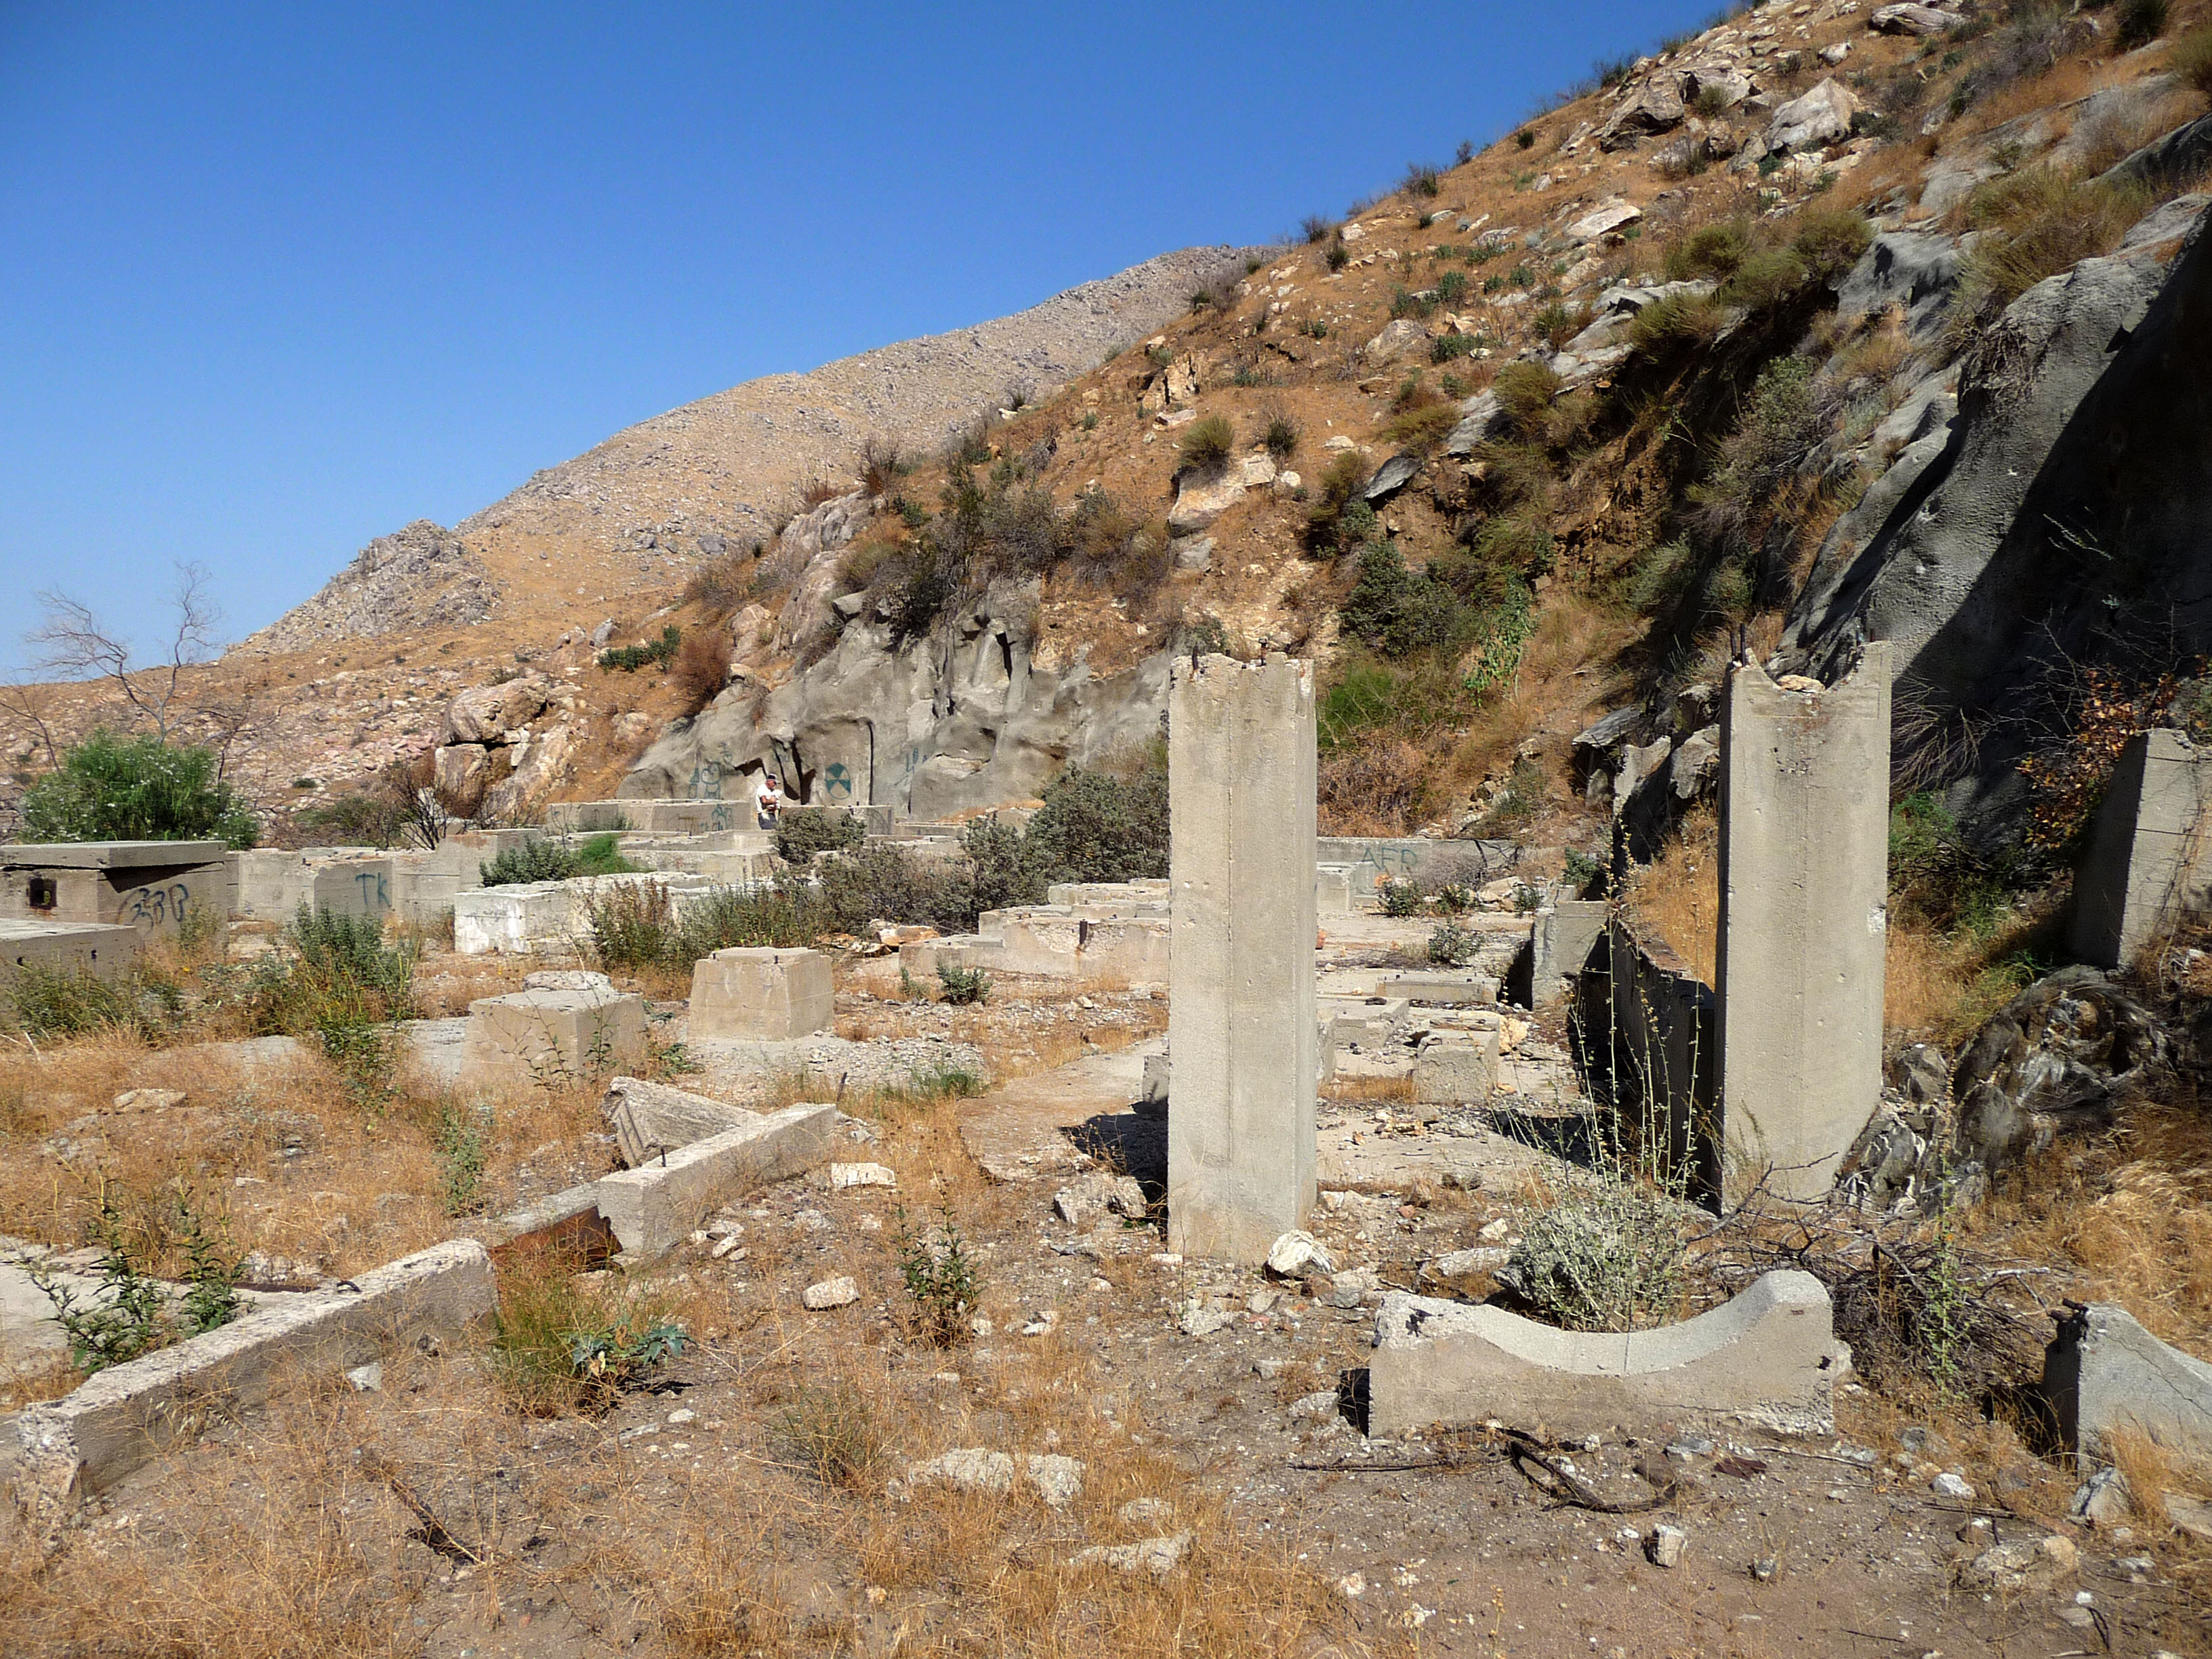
(1767, 1359)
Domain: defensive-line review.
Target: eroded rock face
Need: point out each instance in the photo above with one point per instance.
(2084, 419)
(1821, 117)
(928, 727)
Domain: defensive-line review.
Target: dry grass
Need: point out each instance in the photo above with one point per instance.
(771, 1532)
(1678, 894)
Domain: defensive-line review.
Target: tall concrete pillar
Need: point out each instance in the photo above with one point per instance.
(1803, 924)
(1241, 1015)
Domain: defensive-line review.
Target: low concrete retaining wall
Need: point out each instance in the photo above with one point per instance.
(1768, 1359)
(652, 1207)
(2104, 1373)
(524, 918)
(123, 1416)
(66, 947)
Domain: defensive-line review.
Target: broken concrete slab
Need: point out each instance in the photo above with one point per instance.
(1441, 990)
(2104, 1373)
(651, 1119)
(653, 1208)
(550, 1036)
(1457, 1067)
(121, 1417)
(2145, 865)
(1767, 1359)
(761, 992)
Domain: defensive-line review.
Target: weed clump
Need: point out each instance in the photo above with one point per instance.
(656, 653)
(803, 831)
(963, 987)
(941, 1276)
(832, 1434)
(1207, 445)
(564, 1341)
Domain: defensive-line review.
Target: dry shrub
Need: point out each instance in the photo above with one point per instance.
(1677, 896)
(883, 462)
(816, 490)
(1378, 785)
(2192, 60)
(2035, 224)
(700, 670)
(721, 585)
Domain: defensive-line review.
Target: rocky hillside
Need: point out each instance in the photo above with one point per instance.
(723, 471)
(1821, 325)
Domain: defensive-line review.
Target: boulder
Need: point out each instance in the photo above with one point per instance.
(2080, 406)
(539, 765)
(1481, 418)
(1822, 116)
(1915, 20)
(1721, 81)
(459, 772)
(1200, 501)
(1401, 338)
(1393, 475)
(486, 714)
(1655, 106)
(1612, 214)
(2104, 1372)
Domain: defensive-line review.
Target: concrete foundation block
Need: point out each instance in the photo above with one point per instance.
(1767, 1360)
(2145, 865)
(1456, 1067)
(1563, 944)
(651, 1119)
(423, 895)
(66, 947)
(1242, 1023)
(122, 1417)
(544, 1036)
(151, 885)
(761, 992)
(656, 1205)
(1442, 990)
(1804, 848)
(2104, 1373)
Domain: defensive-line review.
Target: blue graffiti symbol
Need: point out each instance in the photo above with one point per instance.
(838, 781)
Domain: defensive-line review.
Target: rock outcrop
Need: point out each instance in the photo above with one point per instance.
(955, 722)
(2061, 509)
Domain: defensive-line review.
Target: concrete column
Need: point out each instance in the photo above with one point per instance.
(2145, 862)
(1803, 924)
(1240, 1014)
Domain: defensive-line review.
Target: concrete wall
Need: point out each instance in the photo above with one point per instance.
(2144, 867)
(1241, 1151)
(1804, 848)
(1414, 857)
(1650, 1034)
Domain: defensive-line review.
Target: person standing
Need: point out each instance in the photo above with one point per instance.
(769, 799)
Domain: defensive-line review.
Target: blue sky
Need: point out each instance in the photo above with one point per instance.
(277, 279)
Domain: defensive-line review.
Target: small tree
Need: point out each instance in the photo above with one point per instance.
(73, 645)
(113, 789)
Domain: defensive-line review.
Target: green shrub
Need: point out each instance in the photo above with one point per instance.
(964, 986)
(50, 1003)
(1714, 251)
(128, 1314)
(1401, 897)
(460, 1145)
(2141, 23)
(115, 789)
(1339, 255)
(1524, 391)
(601, 856)
(1097, 826)
(1318, 229)
(1519, 540)
(1680, 320)
(803, 831)
(1451, 946)
(1422, 180)
(1829, 242)
(1782, 420)
(1662, 576)
(1604, 1254)
(1557, 323)
(1447, 347)
(1281, 437)
(942, 1278)
(1765, 280)
(534, 860)
(2037, 223)
(830, 1434)
(1421, 429)
(1207, 444)
(1398, 612)
(658, 653)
